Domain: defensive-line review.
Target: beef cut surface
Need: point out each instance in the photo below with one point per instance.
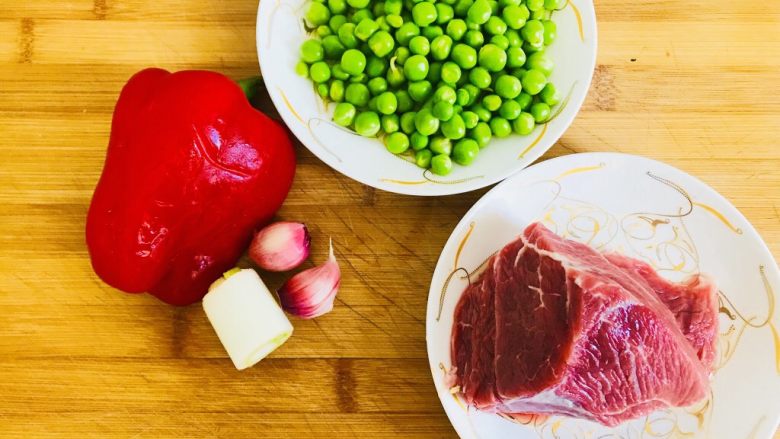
(553, 326)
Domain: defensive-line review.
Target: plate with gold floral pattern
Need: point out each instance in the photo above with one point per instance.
(655, 213)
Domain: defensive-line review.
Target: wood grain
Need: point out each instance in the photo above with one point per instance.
(691, 83)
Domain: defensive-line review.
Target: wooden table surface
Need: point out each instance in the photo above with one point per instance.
(694, 83)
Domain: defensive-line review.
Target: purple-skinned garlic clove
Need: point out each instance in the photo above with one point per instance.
(311, 293)
(280, 246)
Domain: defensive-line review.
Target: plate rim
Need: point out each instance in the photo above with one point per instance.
(747, 228)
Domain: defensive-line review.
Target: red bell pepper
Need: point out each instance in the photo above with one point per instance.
(191, 170)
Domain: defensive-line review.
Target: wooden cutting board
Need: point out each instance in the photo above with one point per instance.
(695, 84)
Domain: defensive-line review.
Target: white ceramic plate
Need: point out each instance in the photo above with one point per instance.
(654, 212)
(280, 33)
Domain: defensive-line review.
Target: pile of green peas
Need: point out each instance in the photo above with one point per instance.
(439, 78)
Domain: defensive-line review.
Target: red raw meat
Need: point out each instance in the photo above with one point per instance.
(555, 327)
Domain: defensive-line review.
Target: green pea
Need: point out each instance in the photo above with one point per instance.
(465, 56)
(344, 114)
(443, 110)
(444, 13)
(416, 68)
(441, 145)
(473, 93)
(372, 104)
(360, 14)
(405, 102)
(378, 8)
(406, 32)
(493, 7)
(445, 93)
(381, 43)
(367, 124)
(396, 142)
(541, 112)
(358, 4)
(533, 81)
(434, 72)
(377, 85)
(481, 112)
(365, 29)
(419, 45)
(513, 38)
(501, 41)
(431, 32)
(337, 72)
(425, 122)
(420, 90)
(500, 127)
(461, 7)
(424, 13)
(540, 61)
(518, 72)
(358, 78)
(375, 66)
(510, 110)
(525, 100)
(492, 58)
(550, 95)
(393, 7)
(318, 14)
(407, 122)
(462, 97)
(505, 3)
(454, 128)
(479, 12)
(480, 77)
(535, 5)
(441, 164)
(465, 151)
(514, 17)
(456, 29)
(550, 31)
(533, 32)
(491, 102)
(423, 158)
(353, 62)
(470, 119)
(387, 103)
(508, 87)
(312, 51)
(390, 123)
(323, 31)
(474, 38)
(357, 94)
(530, 49)
(554, 4)
(495, 26)
(481, 134)
(450, 73)
(336, 92)
(337, 7)
(418, 141)
(394, 21)
(336, 22)
(440, 47)
(524, 124)
(401, 55)
(302, 69)
(515, 57)
(323, 90)
(319, 71)
(333, 47)
(347, 35)
(395, 76)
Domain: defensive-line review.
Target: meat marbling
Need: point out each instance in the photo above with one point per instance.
(553, 326)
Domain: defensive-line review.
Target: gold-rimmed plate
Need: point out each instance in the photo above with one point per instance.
(650, 211)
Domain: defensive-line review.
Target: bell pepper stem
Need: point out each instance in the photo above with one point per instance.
(250, 86)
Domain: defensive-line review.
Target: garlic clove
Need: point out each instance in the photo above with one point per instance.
(280, 246)
(311, 292)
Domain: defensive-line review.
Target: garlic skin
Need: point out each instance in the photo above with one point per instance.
(280, 246)
(311, 293)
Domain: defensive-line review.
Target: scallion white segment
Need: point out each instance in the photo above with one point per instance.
(247, 319)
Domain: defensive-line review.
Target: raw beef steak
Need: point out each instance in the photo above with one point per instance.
(553, 326)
